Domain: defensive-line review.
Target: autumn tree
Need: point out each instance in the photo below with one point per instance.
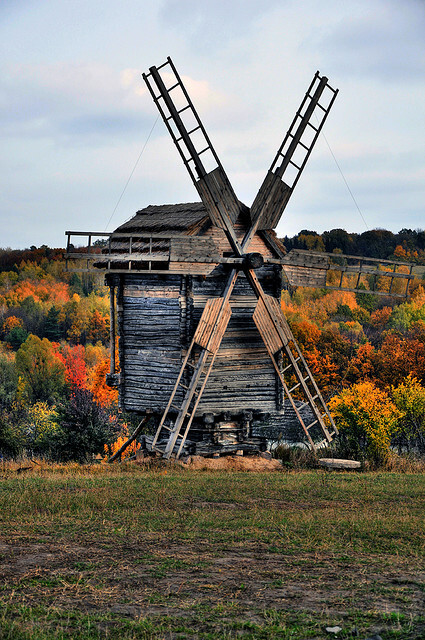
(105, 396)
(84, 427)
(409, 398)
(97, 328)
(41, 369)
(40, 429)
(75, 366)
(366, 418)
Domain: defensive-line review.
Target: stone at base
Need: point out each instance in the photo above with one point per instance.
(266, 454)
(338, 463)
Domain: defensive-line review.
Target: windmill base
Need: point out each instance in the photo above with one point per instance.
(217, 435)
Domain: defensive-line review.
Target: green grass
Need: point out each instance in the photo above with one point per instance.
(171, 553)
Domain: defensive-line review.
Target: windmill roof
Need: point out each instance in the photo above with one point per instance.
(169, 218)
(184, 218)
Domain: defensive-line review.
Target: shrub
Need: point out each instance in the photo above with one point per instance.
(366, 418)
(84, 427)
(409, 397)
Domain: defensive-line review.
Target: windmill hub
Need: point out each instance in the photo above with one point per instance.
(253, 261)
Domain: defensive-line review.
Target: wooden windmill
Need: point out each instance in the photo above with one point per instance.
(203, 342)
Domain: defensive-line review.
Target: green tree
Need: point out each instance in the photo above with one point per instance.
(51, 324)
(409, 398)
(9, 442)
(16, 337)
(8, 381)
(84, 427)
(41, 369)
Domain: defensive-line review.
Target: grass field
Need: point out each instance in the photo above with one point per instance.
(101, 552)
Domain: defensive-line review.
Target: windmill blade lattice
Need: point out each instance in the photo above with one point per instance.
(293, 154)
(194, 147)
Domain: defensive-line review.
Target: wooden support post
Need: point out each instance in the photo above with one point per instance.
(128, 442)
(112, 328)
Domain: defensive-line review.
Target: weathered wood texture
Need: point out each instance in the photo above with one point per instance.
(158, 316)
(152, 324)
(218, 197)
(270, 201)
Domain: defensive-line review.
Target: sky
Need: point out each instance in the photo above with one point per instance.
(75, 115)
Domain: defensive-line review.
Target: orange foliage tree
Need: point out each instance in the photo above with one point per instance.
(105, 396)
(12, 322)
(75, 366)
(130, 451)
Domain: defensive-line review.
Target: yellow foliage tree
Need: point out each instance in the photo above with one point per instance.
(409, 397)
(41, 427)
(366, 418)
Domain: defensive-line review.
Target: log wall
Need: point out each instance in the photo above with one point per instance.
(157, 316)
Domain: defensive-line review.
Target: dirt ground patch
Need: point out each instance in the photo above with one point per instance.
(233, 463)
(150, 576)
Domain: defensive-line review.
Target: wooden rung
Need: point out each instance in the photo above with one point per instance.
(291, 365)
(164, 64)
(320, 107)
(184, 108)
(319, 444)
(294, 387)
(312, 424)
(189, 133)
(303, 145)
(295, 165)
(173, 87)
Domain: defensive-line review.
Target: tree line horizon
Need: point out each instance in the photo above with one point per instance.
(367, 353)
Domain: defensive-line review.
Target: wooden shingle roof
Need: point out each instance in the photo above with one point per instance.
(189, 218)
(186, 217)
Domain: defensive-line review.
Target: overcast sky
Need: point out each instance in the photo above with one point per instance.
(75, 114)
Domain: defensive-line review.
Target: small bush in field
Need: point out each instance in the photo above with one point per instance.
(84, 427)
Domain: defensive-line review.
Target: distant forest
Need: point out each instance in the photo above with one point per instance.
(407, 244)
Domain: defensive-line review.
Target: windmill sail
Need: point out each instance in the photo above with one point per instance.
(293, 154)
(194, 147)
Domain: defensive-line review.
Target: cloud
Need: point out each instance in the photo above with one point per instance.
(211, 25)
(66, 102)
(385, 42)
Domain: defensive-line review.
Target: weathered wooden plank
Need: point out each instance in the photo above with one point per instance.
(270, 201)
(219, 198)
(212, 324)
(303, 276)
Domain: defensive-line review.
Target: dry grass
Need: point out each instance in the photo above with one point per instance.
(107, 551)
